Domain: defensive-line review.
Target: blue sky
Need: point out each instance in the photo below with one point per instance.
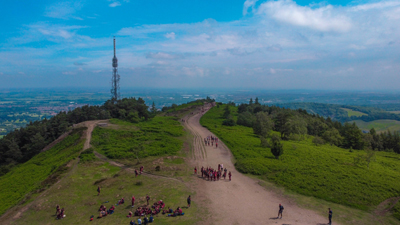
(280, 44)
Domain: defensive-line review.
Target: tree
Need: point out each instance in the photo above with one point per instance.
(227, 112)
(256, 101)
(246, 119)
(318, 141)
(294, 125)
(276, 146)
(353, 137)
(251, 101)
(332, 136)
(153, 109)
(263, 124)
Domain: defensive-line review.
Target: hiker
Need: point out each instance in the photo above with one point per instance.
(189, 200)
(147, 198)
(136, 173)
(216, 144)
(151, 219)
(139, 221)
(111, 210)
(102, 208)
(280, 211)
(195, 170)
(133, 201)
(122, 201)
(132, 223)
(230, 175)
(330, 216)
(98, 190)
(202, 171)
(58, 210)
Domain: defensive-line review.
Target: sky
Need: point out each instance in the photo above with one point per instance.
(283, 44)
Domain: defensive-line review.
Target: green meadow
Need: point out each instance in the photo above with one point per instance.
(379, 125)
(326, 172)
(351, 112)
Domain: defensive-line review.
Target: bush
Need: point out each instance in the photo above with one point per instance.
(318, 141)
(87, 155)
(252, 166)
(229, 122)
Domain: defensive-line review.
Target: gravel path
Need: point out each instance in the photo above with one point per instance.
(242, 200)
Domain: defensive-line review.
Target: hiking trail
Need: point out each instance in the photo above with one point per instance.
(242, 200)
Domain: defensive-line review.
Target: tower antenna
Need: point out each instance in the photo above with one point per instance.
(115, 78)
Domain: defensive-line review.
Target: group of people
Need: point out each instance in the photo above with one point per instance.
(104, 212)
(145, 220)
(60, 213)
(144, 210)
(213, 174)
(140, 171)
(209, 141)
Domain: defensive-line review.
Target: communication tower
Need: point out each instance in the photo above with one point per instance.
(115, 78)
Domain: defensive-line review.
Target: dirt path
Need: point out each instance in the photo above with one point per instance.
(243, 200)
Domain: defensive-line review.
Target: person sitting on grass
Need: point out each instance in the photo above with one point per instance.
(61, 214)
(132, 223)
(129, 214)
(151, 219)
(111, 210)
(102, 213)
(102, 207)
(122, 201)
(145, 220)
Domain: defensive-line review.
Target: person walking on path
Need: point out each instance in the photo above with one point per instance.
(147, 199)
(330, 216)
(230, 175)
(280, 210)
(98, 190)
(189, 200)
(195, 170)
(133, 201)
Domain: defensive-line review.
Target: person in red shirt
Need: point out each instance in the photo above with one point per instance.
(195, 170)
(133, 201)
(230, 175)
(136, 173)
(147, 199)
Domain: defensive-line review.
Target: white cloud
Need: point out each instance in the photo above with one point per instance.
(64, 10)
(377, 5)
(248, 4)
(114, 4)
(69, 73)
(170, 35)
(325, 18)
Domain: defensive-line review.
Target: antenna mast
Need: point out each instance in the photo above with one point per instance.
(115, 78)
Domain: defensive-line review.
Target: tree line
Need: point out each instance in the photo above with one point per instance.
(296, 124)
(22, 144)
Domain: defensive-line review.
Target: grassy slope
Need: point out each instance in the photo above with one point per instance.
(325, 172)
(157, 136)
(77, 194)
(379, 125)
(28, 177)
(351, 112)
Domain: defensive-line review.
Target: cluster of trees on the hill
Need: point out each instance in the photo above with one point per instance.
(21, 145)
(295, 124)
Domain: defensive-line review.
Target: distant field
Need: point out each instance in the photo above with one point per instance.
(379, 125)
(351, 112)
(395, 112)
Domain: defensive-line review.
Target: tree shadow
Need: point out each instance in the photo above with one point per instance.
(274, 218)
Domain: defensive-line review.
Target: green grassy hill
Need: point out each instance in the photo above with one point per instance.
(326, 172)
(32, 175)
